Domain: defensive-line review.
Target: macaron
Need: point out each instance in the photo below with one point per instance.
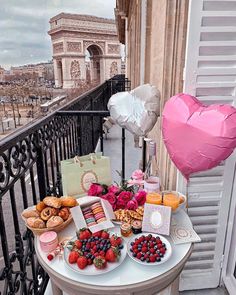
(87, 215)
(89, 220)
(86, 210)
(97, 210)
(92, 223)
(99, 215)
(101, 220)
(95, 205)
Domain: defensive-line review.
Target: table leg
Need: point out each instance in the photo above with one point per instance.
(55, 289)
(175, 287)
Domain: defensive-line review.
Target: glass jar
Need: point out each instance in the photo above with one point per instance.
(154, 198)
(171, 199)
(126, 229)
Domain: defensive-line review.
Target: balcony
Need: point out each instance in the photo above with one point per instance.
(30, 170)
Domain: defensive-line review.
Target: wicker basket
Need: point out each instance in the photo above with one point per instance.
(39, 231)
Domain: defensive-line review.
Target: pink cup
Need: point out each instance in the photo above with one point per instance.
(48, 241)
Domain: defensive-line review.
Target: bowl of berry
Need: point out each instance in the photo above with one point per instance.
(149, 249)
(94, 253)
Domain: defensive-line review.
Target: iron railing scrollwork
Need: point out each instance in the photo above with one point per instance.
(30, 170)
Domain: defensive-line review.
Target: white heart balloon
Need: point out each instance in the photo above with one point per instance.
(136, 110)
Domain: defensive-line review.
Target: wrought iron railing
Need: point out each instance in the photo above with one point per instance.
(30, 170)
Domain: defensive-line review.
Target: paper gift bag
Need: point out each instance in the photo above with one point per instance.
(78, 173)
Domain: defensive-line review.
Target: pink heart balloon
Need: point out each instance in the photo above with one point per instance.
(197, 137)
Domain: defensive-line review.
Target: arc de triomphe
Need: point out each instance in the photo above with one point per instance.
(85, 48)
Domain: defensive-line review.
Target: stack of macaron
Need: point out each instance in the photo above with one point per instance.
(88, 216)
(98, 212)
(94, 214)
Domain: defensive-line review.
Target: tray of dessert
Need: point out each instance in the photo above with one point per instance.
(128, 216)
(50, 214)
(94, 253)
(149, 249)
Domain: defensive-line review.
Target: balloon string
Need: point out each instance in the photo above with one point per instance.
(187, 194)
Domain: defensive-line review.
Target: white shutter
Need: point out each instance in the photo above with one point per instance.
(210, 75)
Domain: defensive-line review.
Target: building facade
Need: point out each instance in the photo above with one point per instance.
(41, 70)
(85, 49)
(189, 46)
(154, 34)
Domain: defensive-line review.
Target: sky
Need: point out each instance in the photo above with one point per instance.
(24, 25)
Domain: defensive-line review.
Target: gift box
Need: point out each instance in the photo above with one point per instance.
(87, 202)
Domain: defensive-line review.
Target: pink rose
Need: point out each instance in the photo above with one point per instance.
(137, 175)
(132, 205)
(125, 196)
(140, 197)
(111, 198)
(95, 189)
(113, 189)
(120, 204)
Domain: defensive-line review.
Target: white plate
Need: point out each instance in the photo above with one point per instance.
(90, 270)
(163, 239)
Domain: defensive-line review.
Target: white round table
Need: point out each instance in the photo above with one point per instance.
(129, 278)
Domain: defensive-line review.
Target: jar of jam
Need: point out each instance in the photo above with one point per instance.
(125, 229)
(137, 227)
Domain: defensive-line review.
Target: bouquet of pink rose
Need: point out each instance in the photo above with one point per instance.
(119, 196)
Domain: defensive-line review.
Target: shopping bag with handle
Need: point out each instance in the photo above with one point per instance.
(79, 172)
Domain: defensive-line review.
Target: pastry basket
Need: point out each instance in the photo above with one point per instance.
(39, 231)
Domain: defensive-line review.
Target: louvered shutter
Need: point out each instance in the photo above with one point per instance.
(210, 75)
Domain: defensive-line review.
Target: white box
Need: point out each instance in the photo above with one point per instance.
(78, 216)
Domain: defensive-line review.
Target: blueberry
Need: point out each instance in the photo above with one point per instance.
(148, 252)
(131, 250)
(121, 246)
(85, 240)
(92, 257)
(108, 245)
(104, 248)
(132, 244)
(155, 247)
(134, 254)
(101, 247)
(147, 260)
(87, 249)
(161, 255)
(158, 251)
(163, 245)
(158, 259)
(150, 236)
(96, 238)
(142, 258)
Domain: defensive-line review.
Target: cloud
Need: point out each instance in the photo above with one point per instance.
(24, 25)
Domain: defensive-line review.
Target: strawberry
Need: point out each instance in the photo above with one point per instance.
(73, 256)
(100, 262)
(152, 259)
(102, 253)
(90, 261)
(97, 234)
(115, 240)
(139, 255)
(104, 235)
(144, 249)
(78, 244)
(82, 262)
(84, 234)
(112, 254)
(152, 250)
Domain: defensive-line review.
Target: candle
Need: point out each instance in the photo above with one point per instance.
(171, 199)
(154, 198)
(48, 241)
